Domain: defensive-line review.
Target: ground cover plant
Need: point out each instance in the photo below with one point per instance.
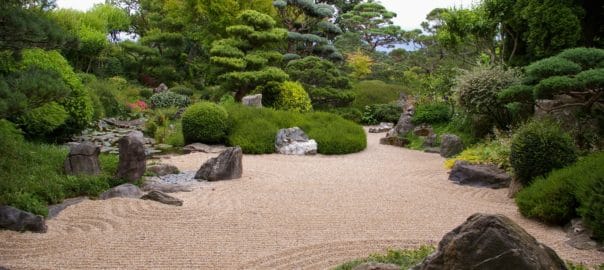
(403, 258)
(254, 130)
(32, 177)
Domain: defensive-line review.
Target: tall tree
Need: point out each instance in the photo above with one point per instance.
(374, 22)
(247, 58)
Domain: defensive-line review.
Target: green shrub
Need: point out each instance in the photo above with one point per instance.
(588, 58)
(315, 72)
(205, 122)
(538, 148)
(254, 130)
(146, 93)
(169, 99)
(403, 258)
(479, 89)
(376, 113)
(593, 78)
(292, 97)
(376, 92)
(182, 90)
(553, 66)
(348, 113)
(564, 193)
(330, 97)
(43, 120)
(547, 88)
(107, 93)
(496, 151)
(516, 92)
(431, 113)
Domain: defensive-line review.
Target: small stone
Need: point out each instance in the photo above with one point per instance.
(122, 191)
(161, 197)
(161, 88)
(18, 220)
(394, 141)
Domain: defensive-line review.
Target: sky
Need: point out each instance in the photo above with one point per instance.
(410, 12)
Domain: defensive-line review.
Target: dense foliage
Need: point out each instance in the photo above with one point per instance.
(205, 122)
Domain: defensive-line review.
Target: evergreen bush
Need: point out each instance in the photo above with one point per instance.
(169, 99)
(205, 122)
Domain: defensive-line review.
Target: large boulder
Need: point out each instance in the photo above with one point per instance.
(491, 242)
(83, 158)
(161, 197)
(450, 145)
(252, 100)
(122, 191)
(226, 166)
(403, 126)
(163, 169)
(479, 175)
(132, 162)
(18, 220)
(293, 141)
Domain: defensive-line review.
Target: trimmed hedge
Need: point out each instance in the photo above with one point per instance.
(254, 130)
(205, 122)
(540, 147)
(431, 114)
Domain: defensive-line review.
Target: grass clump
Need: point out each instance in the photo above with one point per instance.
(254, 130)
(32, 177)
(404, 258)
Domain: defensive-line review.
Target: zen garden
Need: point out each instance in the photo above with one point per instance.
(301, 134)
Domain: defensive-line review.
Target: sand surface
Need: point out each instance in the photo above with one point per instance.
(285, 213)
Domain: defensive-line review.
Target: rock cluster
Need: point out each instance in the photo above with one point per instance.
(383, 127)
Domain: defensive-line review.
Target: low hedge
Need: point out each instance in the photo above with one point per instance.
(254, 130)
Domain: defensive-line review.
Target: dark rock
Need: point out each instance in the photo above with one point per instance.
(491, 242)
(430, 141)
(161, 197)
(122, 191)
(450, 145)
(83, 158)
(54, 210)
(204, 148)
(252, 100)
(383, 127)
(161, 88)
(18, 220)
(163, 169)
(164, 187)
(132, 162)
(432, 150)
(377, 266)
(479, 175)
(423, 130)
(402, 127)
(226, 166)
(394, 141)
(293, 141)
(515, 187)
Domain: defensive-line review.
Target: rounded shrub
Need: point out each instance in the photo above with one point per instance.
(431, 113)
(548, 199)
(588, 173)
(553, 66)
(538, 148)
(293, 97)
(169, 99)
(586, 57)
(205, 122)
(547, 88)
(43, 120)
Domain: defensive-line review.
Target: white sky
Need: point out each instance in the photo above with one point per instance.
(410, 12)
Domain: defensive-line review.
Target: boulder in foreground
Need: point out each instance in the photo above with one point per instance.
(226, 166)
(18, 220)
(491, 242)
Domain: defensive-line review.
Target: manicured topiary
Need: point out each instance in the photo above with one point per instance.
(205, 122)
(538, 148)
(169, 99)
(431, 113)
(586, 57)
(292, 97)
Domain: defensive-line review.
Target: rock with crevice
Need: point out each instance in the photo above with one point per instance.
(479, 175)
(122, 191)
(132, 157)
(226, 166)
(293, 141)
(83, 158)
(491, 242)
(161, 197)
(18, 220)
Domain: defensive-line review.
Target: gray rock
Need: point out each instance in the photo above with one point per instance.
(394, 141)
(163, 169)
(515, 187)
(383, 127)
(432, 150)
(54, 210)
(479, 175)
(430, 141)
(293, 141)
(164, 187)
(402, 127)
(122, 191)
(581, 237)
(132, 161)
(491, 242)
(226, 166)
(377, 266)
(161, 197)
(450, 145)
(204, 148)
(83, 158)
(18, 220)
(423, 130)
(161, 88)
(252, 100)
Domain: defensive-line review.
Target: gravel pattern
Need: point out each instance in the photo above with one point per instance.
(287, 212)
